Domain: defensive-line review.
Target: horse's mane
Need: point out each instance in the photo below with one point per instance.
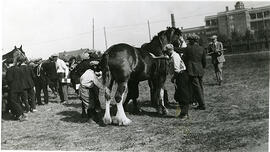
(154, 45)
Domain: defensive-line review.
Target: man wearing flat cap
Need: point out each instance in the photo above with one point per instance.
(215, 50)
(195, 60)
(180, 79)
(62, 73)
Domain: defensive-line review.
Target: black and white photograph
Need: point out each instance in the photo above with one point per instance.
(140, 75)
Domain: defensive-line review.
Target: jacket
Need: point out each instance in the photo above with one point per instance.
(195, 59)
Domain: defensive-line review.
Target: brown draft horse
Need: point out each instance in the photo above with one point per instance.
(127, 66)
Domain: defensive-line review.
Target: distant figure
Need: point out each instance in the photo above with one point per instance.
(215, 50)
(195, 59)
(62, 73)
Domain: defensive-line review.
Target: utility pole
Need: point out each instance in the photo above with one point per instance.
(172, 20)
(105, 38)
(93, 35)
(149, 30)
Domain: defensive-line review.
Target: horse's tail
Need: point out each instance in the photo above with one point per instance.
(104, 65)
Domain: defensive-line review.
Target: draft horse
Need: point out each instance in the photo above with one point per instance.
(14, 54)
(127, 66)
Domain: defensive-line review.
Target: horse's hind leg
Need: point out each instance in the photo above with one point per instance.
(120, 117)
(133, 93)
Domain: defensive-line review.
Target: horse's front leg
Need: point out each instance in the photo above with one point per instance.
(161, 100)
(121, 118)
(107, 116)
(157, 96)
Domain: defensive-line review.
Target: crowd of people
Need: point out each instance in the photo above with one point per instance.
(23, 81)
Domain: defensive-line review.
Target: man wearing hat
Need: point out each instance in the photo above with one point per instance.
(180, 79)
(62, 73)
(215, 50)
(195, 59)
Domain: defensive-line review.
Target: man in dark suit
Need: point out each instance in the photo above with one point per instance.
(215, 49)
(41, 83)
(15, 90)
(50, 68)
(195, 59)
(28, 84)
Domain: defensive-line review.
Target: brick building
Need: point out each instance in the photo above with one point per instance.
(238, 20)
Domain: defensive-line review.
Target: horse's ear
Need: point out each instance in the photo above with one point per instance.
(21, 47)
(15, 47)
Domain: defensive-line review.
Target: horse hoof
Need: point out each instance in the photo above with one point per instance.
(165, 112)
(107, 121)
(121, 122)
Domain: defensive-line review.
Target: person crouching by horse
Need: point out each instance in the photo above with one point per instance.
(89, 92)
(181, 81)
(15, 85)
(62, 73)
(195, 59)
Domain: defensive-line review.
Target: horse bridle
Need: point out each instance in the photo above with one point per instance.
(171, 35)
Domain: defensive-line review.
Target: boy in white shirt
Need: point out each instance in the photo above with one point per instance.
(90, 84)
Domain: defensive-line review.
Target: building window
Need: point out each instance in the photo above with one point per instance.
(208, 23)
(266, 14)
(252, 15)
(214, 22)
(253, 25)
(260, 15)
(267, 24)
(260, 25)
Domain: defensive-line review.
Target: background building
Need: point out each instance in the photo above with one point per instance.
(239, 21)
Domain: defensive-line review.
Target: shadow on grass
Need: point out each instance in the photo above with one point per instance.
(72, 116)
(75, 117)
(74, 104)
(155, 114)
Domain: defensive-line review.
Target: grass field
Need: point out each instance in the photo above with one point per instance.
(236, 119)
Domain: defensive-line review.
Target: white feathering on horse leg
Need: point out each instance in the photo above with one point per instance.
(164, 109)
(121, 118)
(107, 116)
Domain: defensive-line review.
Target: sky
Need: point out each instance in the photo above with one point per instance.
(45, 27)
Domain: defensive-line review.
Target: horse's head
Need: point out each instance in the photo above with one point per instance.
(169, 36)
(18, 49)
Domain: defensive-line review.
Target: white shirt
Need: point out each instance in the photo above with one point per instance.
(178, 63)
(183, 45)
(89, 79)
(61, 67)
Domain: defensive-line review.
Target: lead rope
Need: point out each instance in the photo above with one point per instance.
(38, 70)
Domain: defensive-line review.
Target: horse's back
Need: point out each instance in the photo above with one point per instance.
(121, 60)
